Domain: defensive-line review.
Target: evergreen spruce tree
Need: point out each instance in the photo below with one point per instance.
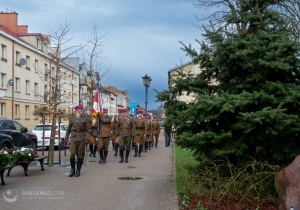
(248, 93)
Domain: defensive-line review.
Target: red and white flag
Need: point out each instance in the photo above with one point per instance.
(97, 106)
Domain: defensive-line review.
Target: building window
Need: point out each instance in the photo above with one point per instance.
(27, 86)
(17, 107)
(37, 43)
(47, 72)
(17, 84)
(36, 88)
(53, 72)
(36, 66)
(3, 52)
(35, 112)
(27, 62)
(2, 109)
(18, 58)
(26, 111)
(3, 81)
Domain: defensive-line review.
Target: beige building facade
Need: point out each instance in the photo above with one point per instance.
(28, 71)
(187, 68)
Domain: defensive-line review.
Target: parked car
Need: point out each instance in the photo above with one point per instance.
(38, 130)
(5, 141)
(13, 134)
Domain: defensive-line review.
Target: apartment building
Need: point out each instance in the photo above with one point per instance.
(190, 68)
(30, 74)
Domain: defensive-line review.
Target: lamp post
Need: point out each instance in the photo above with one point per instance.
(146, 80)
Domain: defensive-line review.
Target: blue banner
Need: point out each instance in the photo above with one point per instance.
(133, 107)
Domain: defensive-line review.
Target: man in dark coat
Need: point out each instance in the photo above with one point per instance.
(168, 130)
(79, 128)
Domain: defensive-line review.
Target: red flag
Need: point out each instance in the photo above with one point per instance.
(95, 109)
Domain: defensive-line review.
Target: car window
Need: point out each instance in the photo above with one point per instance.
(18, 126)
(40, 127)
(7, 125)
(63, 127)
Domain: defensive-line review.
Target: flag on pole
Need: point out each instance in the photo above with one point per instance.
(97, 106)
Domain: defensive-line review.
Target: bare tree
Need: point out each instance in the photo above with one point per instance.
(92, 56)
(57, 95)
(222, 10)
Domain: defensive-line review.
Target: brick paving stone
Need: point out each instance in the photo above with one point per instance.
(99, 186)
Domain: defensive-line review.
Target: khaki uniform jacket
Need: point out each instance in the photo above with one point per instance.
(148, 127)
(126, 126)
(155, 127)
(95, 129)
(114, 126)
(79, 128)
(140, 125)
(105, 126)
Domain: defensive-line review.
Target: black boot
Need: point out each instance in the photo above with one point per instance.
(91, 150)
(135, 151)
(95, 151)
(79, 164)
(121, 156)
(155, 143)
(72, 172)
(101, 157)
(146, 146)
(126, 157)
(140, 150)
(104, 157)
(149, 145)
(116, 149)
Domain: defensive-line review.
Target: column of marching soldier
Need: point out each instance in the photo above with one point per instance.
(125, 131)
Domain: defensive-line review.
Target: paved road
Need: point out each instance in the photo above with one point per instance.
(99, 187)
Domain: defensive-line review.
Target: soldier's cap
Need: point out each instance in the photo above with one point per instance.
(154, 117)
(145, 114)
(105, 110)
(140, 111)
(79, 108)
(123, 110)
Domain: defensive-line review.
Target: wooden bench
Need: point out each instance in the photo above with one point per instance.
(26, 163)
(2, 170)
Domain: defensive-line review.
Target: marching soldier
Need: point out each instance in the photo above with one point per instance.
(104, 135)
(148, 133)
(155, 130)
(140, 134)
(127, 131)
(79, 127)
(93, 142)
(115, 134)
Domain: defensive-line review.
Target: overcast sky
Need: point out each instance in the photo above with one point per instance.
(142, 35)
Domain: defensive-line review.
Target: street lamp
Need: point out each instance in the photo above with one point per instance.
(146, 80)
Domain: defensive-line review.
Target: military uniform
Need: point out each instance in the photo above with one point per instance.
(115, 134)
(104, 136)
(139, 138)
(94, 142)
(155, 130)
(79, 127)
(126, 126)
(148, 133)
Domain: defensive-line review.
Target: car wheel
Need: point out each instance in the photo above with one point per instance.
(4, 146)
(33, 144)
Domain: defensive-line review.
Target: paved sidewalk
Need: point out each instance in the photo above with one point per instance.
(99, 187)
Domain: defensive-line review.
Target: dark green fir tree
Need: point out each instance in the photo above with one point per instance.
(247, 102)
